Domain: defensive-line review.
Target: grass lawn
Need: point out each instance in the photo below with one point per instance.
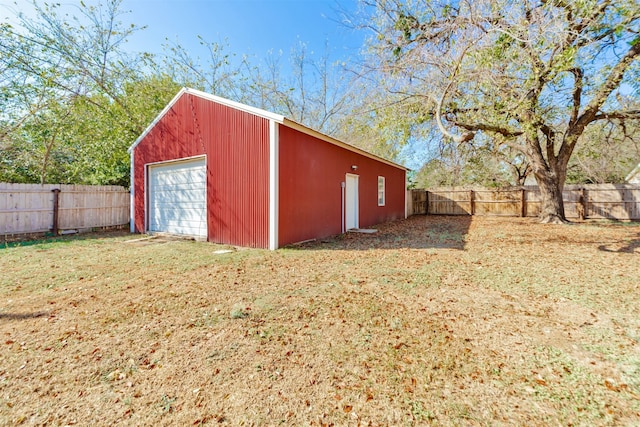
(432, 320)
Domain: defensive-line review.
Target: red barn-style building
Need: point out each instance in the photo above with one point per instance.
(234, 174)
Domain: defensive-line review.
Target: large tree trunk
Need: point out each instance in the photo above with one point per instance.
(552, 206)
(550, 174)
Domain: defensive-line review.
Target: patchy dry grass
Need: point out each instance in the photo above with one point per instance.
(440, 320)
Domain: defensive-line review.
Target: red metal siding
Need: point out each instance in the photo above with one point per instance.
(311, 173)
(236, 144)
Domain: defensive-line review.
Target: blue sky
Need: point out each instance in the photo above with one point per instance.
(252, 27)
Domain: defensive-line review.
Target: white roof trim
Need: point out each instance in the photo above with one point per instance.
(261, 113)
(157, 119)
(634, 172)
(237, 105)
(331, 140)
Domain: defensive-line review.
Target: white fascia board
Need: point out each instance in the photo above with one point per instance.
(132, 199)
(635, 171)
(227, 102)
(406, 196)
(274, 143)
(157, 119)
(237, 105)
(331, 140)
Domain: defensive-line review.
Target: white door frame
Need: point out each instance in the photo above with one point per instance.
(351, 202)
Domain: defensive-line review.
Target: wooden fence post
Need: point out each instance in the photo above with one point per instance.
(472, 204)
(56, 204)
(523, 203)
(426, 202)
(582, 207)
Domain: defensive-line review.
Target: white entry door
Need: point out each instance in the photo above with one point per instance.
(178, 198)
(351, 202)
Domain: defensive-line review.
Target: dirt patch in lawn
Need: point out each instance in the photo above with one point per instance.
(440, 320)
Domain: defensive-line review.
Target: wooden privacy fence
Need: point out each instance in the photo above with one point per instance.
(33, 208)
(598, 201)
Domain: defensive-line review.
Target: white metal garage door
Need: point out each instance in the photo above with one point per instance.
(178, 198)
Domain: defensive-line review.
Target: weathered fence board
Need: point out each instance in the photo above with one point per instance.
(28, 208)
(449, 202)
(419, 202)
(598, 201)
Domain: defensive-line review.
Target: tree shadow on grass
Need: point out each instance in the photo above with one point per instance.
(624, 246)
(30, 240)
(23, 316)
(415, 232)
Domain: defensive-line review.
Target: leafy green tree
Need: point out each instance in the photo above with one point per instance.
(535, 73)
(99, 137)
(73, 100)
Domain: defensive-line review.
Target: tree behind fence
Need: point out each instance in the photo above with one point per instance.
(596, 201)
(29, 208)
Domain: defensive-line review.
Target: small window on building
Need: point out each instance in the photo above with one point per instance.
(381, 195)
